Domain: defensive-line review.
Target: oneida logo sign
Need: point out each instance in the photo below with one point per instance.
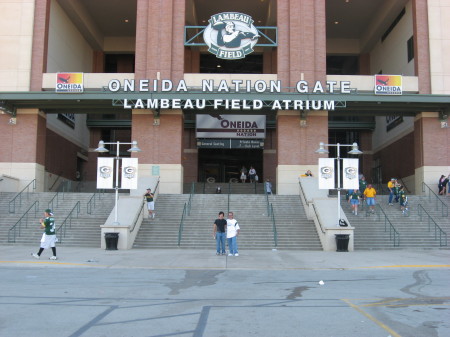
(230, 35)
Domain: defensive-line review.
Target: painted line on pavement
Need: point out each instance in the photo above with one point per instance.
(373, 319)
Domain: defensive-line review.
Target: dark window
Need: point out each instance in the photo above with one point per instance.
(410, 44)
(393, 24)
(251, 64)
(342, 65)
(119, 63)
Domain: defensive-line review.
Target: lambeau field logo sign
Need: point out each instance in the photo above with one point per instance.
(230, 35)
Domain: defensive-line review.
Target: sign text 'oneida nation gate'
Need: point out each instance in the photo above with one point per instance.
(233, 86)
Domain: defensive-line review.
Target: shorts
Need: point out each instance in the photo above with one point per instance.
(48, 241)
(370, 201)
(354, 201)
(151, 206)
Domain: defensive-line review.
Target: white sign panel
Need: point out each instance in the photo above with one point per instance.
(129, 173)
(231, 126)
(326, 173)
(105, 172)
(350, 177)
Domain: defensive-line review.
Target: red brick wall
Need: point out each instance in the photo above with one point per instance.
(60, 156)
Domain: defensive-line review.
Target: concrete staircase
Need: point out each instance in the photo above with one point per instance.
(414, 232)
(294, 230)
(83, 232)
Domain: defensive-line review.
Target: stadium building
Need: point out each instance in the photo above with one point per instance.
(206, 87)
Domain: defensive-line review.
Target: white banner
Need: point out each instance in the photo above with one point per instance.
(129, 173)
(350, 176)
(231, 126)
(105, 172)
(326, 173)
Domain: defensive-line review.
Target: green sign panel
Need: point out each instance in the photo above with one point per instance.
(230, 143)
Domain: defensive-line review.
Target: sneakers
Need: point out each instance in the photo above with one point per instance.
(224, 253)
(230, 254)
(236, 254)
(35, 255)
(391, 204)
(53, 257)
(356, 213)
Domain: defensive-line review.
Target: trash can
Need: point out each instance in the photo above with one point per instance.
(342, 242)
(111, 240)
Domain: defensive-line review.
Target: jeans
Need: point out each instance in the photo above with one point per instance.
(220, 241)
(232, 245)
(391, 196)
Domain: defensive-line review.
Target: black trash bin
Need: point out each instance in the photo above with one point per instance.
(342, 242)
(111, 240)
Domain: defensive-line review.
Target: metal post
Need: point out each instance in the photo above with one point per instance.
(338, 182)
(116, 221)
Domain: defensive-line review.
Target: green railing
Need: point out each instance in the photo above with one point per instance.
(274, 227)
(55, 197)
(17, 226)
(439, 202)
(186, 211)
(393, 233)
(18, 197)
(68, 222)
(442, 234)
(91, 203)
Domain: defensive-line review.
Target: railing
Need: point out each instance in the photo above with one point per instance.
(393, 233)
(56, 196)
(141, 211)
(68, 220)
(186, 211)
(274, 227)
(18, 224)
(19, 196)
(180, 229)
(444, 207)
(92, 201)
(228, 197)
(442, 234)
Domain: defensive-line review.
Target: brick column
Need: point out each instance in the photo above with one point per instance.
(22, 147)
(161, 146)
(40, 43)
(421, 45)
(296, 146)
(301, 56)
(432, 151)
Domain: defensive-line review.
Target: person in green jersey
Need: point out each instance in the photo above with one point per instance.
(403, 199)
(150, 203)
(48, 239)
(362, 186)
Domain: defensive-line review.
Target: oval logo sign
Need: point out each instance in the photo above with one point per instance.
(230, 35)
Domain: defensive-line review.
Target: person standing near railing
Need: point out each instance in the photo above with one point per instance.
(219, 233)
(149, 197)
(232, 234)
(48, 239)
(370, 194)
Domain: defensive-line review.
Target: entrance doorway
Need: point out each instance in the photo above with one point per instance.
(224, 165)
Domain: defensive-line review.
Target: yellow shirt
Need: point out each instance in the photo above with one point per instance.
(390, 184)
(370, 192)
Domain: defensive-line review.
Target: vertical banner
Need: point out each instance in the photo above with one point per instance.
(350, 177)
(105, 172)
(129, 173)
(326, 173)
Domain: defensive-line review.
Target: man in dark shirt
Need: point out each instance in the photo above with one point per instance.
(219, 233)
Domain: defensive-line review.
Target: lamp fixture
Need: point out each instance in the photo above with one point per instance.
(322, 149)
(134, 147)
(101, 147)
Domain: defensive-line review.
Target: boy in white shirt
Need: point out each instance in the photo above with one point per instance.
(232, 234)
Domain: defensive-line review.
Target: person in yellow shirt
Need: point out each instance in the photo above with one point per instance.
(370, 194)
(391, 186)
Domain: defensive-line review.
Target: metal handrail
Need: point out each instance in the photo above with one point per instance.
(92, 201)
(68, 219)
(442, 234)
(443, 205)
(191, 197)
(180, 229)
(56, 196)
(19, 222)
(19, 195)
(274, 227)
(137, 216)
(393, 233)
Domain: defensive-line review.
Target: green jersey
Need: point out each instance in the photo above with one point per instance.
(149, 197)
(362, 185)
(49, 223)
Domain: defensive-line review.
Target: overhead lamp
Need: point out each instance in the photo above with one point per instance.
(134, 147)
(355, 149)
(322, 149)
(101, 147)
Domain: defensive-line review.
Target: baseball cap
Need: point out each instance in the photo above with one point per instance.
(148, 188)
(49, 211)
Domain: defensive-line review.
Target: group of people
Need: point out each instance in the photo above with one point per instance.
(444, 185)
(253, 177)
(368, 193)
(228, 229)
